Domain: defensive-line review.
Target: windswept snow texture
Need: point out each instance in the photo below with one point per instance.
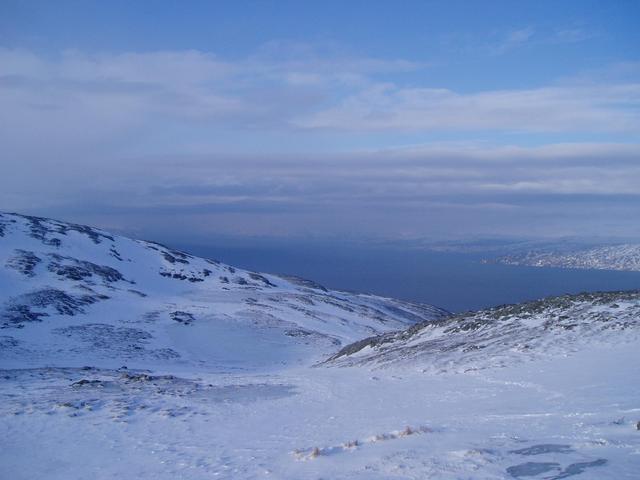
(506, 335)
(125, 359)
(573, 417)
(614, 257)
(68, 292)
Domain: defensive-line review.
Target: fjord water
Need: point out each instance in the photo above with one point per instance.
(454, 281)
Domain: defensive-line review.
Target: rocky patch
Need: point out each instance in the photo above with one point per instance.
(33, 306)
(184, 318)
(44, 229)
(121, 341)
(24, 262)
(77, 270)
(488, 338)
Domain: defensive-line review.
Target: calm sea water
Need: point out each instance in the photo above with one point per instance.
(456, 282)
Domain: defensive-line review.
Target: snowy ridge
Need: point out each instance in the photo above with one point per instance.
(505, 335)
(70, 293)
(613, 257)
(126, 359)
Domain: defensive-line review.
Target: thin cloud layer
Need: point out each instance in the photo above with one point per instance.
(115, 134)
(302, 90)
(413, 192)
(602, 108)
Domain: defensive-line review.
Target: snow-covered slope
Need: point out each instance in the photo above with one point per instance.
(77, 305)
(613, 257)
(505, 335)
(551, 418)
(72, 295)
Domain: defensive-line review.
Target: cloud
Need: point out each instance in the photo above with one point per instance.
(78, 103)
(82, 134)
(571, 35)
(566, 108)
(416, 191)
(530, 36)
(82, 102)
(512, 40)
(523, 39)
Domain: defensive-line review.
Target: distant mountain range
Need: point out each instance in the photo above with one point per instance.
(611, 257)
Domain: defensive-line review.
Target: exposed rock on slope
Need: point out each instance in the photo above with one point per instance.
(504, 335)
(71, 294)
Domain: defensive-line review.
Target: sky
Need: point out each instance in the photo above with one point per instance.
(360, 119)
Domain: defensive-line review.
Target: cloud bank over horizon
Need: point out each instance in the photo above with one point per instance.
(299, 138)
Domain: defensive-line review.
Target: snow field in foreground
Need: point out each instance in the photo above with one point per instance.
(552, 418)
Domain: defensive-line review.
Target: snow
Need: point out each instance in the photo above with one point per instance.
(123, 390)
(610, 257)
(582, 408)
(91, 293)
(505, 335)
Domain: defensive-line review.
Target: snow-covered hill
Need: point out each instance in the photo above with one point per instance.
(125, 359)
(612, 257)
(506, 335)
(72, 295)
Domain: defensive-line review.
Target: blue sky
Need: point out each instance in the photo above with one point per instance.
(365, 119)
